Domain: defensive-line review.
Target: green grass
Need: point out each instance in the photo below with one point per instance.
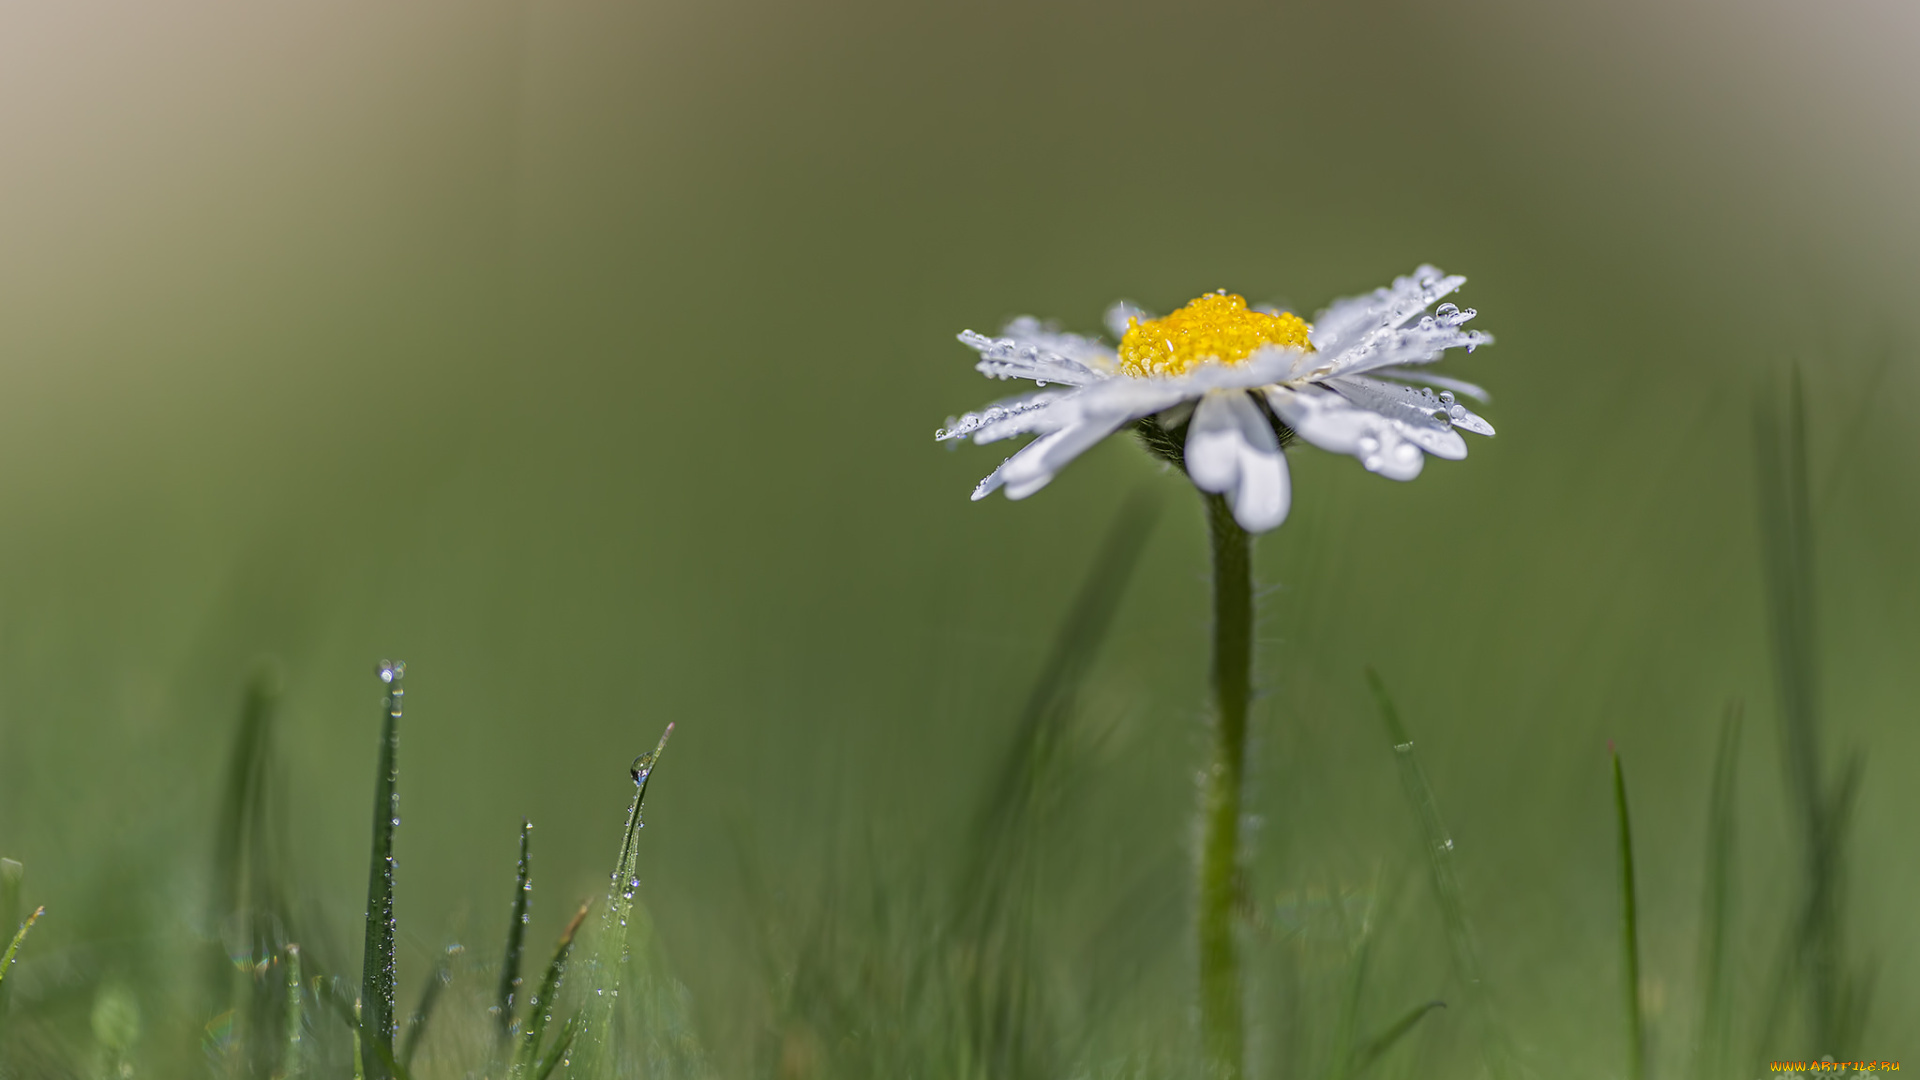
(1007, 948)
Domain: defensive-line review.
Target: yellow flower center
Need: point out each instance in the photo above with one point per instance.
(1216, 326)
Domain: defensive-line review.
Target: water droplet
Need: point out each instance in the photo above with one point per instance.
(390, 671)
(1426, 322)
(1447, 311)
(1446, 396)
(1457, 412)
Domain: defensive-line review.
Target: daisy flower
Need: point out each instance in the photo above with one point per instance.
(1220, 388)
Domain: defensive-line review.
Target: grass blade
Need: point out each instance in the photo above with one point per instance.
(429, 997)
(1438, 844)
(1345, 1056)
(1629, 930)
(561, 1046)
(294, 1060)
(1716, 1014)
(1814, 967)
(610, 950)
(6, 959)
(1365, 1057)
(12, 877)
(369, 1055)
(516, 932)
(377, 961)
(1008, 1026)
(540, 1006)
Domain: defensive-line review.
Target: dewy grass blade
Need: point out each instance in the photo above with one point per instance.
(540, 1007)
(516, 932)
(294, 1060)
(562, 1045)
(13, 947)
(1716, 1013)
(377, 961)
(1438, 844)
(610, 949)
(367, 1055)
(1629, 930)
(12, 876)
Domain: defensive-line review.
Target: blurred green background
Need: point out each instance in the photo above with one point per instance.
(587, 356)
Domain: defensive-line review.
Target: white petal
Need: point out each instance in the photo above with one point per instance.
(1421, 344)
(1444, 382)
(1265, 491)
(1384, 444)
(1324, 419)
(1213, 443)
(1345, 322)
(1120, 316)
(1016, 358)
(1407, 404)
(1395, 458)
(1008, 412)
(1440, 442)
(991, 482)
(1086, 351)
(1037, 462)
(1174, 417)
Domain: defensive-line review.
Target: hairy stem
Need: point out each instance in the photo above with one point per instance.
(1221, 1011)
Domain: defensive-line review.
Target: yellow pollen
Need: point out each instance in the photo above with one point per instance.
(1216, 326)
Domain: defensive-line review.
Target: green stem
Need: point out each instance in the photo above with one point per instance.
(1629, 932)
(1221, 1012)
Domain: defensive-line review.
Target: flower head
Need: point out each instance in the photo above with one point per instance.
(1221, 388)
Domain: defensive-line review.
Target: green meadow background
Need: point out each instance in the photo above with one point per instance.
(587, 356)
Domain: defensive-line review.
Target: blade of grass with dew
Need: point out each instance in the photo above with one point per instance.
(377, 960)
(371, 1054)
(240, 839)
(1712, 1041)
(429, 998)
(1438, 845)
(516, 931)
(1629, 930)
(245, 905)
(292, 1059)
(13, 947)
(12, 877)
(562, 1045)
(1375, 1048)
(540, 1007)
(610, 947)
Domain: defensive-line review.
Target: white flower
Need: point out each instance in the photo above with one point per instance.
(1228, 373)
